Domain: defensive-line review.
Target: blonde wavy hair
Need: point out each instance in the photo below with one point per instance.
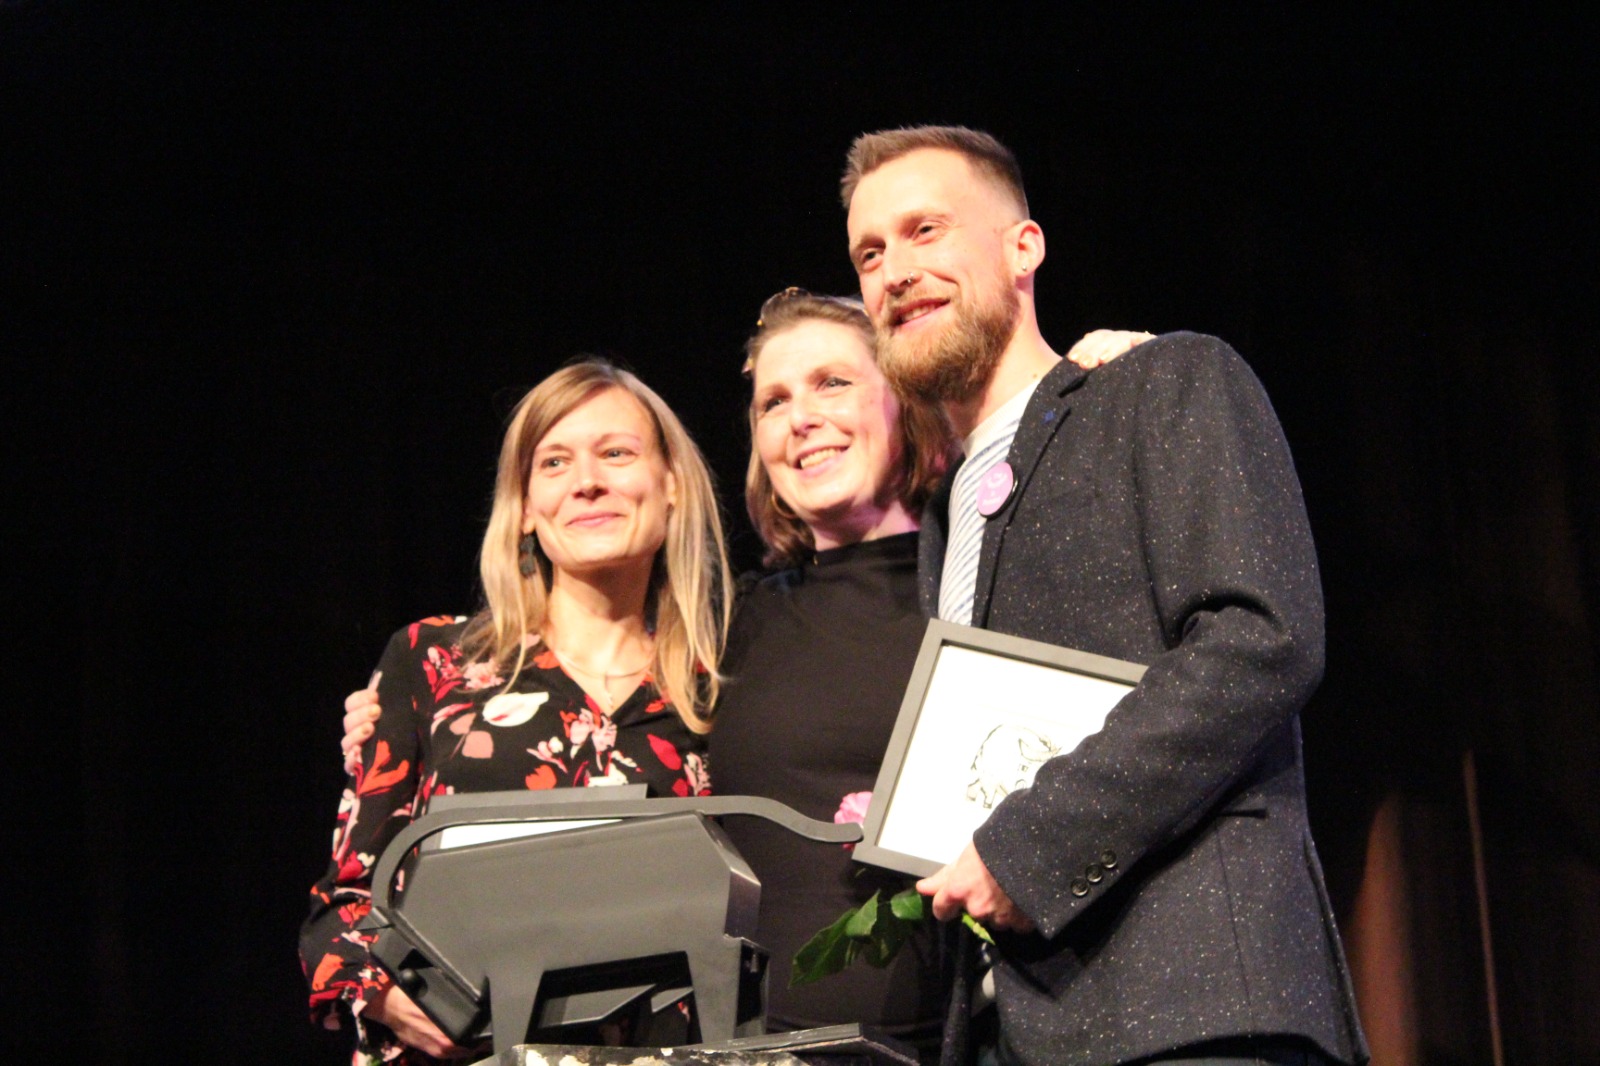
(925, 441)
(688, 604)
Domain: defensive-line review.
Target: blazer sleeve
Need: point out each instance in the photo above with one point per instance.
(1195, 471)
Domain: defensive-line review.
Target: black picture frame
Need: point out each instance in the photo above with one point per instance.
(934, 787)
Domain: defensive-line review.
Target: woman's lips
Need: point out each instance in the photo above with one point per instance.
(818, 456)
(593, 519)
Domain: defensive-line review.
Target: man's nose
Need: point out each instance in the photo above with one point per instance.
(899, 274)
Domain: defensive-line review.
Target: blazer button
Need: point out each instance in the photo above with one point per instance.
(1094, 873)
(1108, 859)
(1080, 887)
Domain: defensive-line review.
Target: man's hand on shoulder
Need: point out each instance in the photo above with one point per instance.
(1103, 345)
(967, 885)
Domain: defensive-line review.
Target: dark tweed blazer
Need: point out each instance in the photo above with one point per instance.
(1167, 860)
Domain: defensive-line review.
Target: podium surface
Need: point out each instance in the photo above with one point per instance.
(835, 1045)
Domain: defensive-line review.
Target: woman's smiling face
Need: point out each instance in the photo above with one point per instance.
(599, 491)
(826, 430)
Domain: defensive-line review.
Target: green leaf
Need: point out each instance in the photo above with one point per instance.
(977, 930)
(907, 905)
(892, 934)
(874, 931)
(826, 953)
(864, 917)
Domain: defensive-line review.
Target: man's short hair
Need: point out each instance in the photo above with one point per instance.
(982, 152)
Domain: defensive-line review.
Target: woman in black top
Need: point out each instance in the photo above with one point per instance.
(821, 650)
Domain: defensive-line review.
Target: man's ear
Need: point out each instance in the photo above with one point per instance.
(1025, 248)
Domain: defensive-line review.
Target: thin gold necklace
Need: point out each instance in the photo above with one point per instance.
(605, 678)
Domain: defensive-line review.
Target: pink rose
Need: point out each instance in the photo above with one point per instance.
(853, 808)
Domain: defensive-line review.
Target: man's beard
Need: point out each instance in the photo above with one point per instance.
(954, 364)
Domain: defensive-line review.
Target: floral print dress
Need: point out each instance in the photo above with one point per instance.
(449, 726)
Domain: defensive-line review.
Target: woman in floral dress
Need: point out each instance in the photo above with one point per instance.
(594, 663)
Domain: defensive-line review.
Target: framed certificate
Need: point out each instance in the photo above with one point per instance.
(982, 713)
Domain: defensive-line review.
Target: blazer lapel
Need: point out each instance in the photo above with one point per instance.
(1047, 410)
(930, 543)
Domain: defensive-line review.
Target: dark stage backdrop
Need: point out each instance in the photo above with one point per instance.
(270, 284)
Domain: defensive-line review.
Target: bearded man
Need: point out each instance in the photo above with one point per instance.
(1156, 891)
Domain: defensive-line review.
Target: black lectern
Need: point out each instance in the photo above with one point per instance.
(617, 902)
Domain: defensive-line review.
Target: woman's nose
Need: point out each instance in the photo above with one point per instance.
(803, 414)
(590, 479)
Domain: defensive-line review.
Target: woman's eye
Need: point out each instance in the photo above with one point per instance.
(836, 383)
(618, 453)
(770, 403)
(551, 462)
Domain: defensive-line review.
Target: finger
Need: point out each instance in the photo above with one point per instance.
(361, 699)
(1012, 919)
(943, 909)
(1083, 355)
(360, 716)
(351, 742)
(980, 907)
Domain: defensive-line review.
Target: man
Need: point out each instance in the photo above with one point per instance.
(1157, 890)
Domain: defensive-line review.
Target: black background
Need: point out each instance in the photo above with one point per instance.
(272, 281)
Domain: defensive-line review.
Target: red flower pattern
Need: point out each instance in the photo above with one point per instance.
(567, 742)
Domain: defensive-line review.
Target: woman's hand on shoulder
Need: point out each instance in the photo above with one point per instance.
(1104, 345)
(399, 1012)
(361, 711)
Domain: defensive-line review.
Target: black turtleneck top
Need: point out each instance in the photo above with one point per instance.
(818, 662)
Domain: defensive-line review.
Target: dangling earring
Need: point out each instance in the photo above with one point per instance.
(525, 561)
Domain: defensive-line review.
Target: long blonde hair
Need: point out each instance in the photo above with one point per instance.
(689, 582)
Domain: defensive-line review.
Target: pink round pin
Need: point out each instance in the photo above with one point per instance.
(995, 489)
